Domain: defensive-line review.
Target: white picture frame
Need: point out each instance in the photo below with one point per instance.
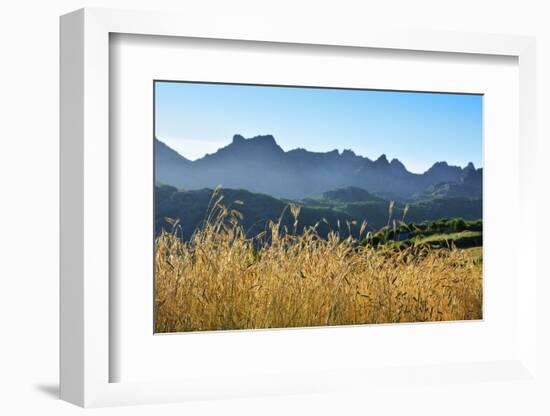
(85, 353)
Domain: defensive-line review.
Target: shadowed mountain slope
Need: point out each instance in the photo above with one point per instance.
(260, 165)
(342, 210)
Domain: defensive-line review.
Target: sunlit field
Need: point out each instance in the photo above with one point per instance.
(222, 279)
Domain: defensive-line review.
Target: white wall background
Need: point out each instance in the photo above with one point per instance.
(29, 56)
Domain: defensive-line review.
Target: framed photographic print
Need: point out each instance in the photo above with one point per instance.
(274, 212)
(260, 232)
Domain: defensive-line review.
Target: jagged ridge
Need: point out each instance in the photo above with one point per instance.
(259, 164)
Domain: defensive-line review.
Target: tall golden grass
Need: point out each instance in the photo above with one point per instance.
(222, 280)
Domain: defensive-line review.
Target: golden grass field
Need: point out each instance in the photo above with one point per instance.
(220, 281)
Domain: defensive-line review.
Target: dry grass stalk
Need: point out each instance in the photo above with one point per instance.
(222, 280)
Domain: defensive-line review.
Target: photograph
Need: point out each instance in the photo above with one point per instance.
(280, 206)
(218, 208)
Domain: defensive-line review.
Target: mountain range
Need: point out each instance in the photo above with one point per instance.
(260, 165)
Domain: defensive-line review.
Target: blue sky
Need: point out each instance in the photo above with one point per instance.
(417, 128)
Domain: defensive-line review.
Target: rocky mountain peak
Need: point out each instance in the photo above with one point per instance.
(396, 164)
(382, 161)
(237, 138)
(261, 142)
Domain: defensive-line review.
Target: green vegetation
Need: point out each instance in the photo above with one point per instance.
(360, 204)
(455, 237)
(445, 232)
(257, 210)
(343, 210)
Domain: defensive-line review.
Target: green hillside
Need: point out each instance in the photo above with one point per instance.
(361, 205)
(191, 207)
(445, 232)
(343, 210)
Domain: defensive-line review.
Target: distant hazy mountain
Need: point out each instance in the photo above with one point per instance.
(259, 164)
(469, 185)
(170, 166)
